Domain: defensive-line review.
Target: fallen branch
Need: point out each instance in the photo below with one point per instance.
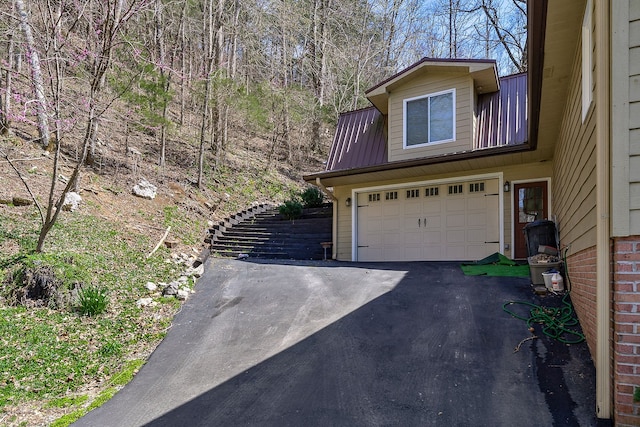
(25, 160)
(517, 349)
(6, 156)
(166, 233)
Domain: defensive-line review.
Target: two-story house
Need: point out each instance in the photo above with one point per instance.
(450, 162)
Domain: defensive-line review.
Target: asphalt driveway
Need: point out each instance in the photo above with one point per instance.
(342, 344)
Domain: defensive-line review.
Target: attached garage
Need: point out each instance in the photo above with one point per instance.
(436, 221)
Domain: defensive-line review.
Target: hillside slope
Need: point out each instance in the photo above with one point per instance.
(106, 243)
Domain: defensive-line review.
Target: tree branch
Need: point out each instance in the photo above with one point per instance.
(33, 197)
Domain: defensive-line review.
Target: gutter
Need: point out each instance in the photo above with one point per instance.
(406, 164)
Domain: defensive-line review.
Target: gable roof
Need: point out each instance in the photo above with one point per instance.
(483, 72)
(360, 140)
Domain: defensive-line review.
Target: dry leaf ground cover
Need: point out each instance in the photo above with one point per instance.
(55, 362)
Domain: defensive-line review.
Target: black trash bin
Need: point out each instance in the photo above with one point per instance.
(540, 232)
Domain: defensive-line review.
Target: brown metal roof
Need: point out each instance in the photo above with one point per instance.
(359, 140)
(502, 116)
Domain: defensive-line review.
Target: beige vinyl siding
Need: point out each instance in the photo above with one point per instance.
(522, 172)
(574, 185)
(625, 115)
(425, 85)
(343, 238)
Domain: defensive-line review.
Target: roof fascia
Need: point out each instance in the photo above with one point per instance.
(404, 164)
(536, 27)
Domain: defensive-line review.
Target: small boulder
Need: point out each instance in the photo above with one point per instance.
(198, 271)
(144, 302)
(182, 294)
(171, 289)
(151, 286)
(71, 201)
(145, 189)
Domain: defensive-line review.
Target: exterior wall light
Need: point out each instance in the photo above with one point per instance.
(507, 186)
(348, 201)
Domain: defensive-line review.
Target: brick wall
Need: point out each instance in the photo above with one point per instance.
(581, 269)
(626, 329)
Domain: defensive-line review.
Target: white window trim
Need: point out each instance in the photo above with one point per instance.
(587, 60)
(404, 119)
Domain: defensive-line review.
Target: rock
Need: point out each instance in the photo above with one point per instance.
(170, 244)
(71, 201)
(21, 201)
(151, 286)
(198, 271)
(182, 294)
(171, 289)
(145, 189)
(143, 302)
(243, 256)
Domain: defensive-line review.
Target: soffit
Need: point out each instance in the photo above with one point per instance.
(563, 32)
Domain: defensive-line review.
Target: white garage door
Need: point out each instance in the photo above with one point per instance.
(457, 221)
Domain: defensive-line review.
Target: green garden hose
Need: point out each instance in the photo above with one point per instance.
(557, 322)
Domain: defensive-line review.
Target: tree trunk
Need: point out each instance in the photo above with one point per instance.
(36, 75)
(209, 65)
(5, 107)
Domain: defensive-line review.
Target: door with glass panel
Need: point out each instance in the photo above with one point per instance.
(530, 204)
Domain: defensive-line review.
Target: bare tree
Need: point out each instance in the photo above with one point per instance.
(36, 74)
(113, 18)
(5, 101)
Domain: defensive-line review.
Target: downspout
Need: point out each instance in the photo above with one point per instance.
(334, 220)
(603, 230)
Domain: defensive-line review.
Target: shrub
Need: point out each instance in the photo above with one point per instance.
(291, 209)
(312, 197)
(92, 300)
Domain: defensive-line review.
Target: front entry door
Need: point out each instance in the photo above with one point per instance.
(530, 204)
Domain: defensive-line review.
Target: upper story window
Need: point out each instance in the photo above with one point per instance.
(430, 119)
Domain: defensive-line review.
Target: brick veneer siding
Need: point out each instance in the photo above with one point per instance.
(626, 329)
(581, 271)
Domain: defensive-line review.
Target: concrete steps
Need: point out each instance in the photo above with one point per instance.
(265, 234)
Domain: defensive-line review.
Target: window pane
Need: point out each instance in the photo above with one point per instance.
(530, 204)
(441, 119)
(417, 124)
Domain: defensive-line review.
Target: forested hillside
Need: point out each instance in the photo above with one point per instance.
(219, 104)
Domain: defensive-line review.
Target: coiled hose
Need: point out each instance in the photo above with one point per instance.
(558, 323)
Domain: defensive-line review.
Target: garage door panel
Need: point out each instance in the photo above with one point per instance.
(432, 237)
(456, 220)
(456, 203)
(455, 236)
(476, 236)
(455, 252)
(477, 220)
(432, 206)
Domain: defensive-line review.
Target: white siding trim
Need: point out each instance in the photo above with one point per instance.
(587, 59)
(620, 134)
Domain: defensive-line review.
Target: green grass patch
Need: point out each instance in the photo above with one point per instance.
(48, 353)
